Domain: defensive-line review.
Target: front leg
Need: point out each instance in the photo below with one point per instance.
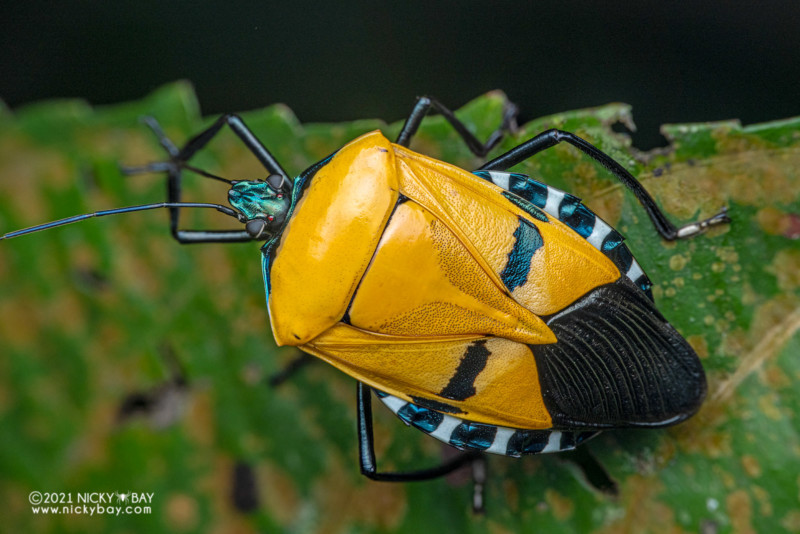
(480, 149)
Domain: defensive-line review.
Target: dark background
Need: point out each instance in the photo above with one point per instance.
(337, 61)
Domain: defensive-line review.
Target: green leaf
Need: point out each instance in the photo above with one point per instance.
(94, 312)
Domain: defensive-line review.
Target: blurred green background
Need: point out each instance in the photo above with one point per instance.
(105, 318)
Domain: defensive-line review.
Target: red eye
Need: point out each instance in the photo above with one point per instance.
(270, 218)
(280, 196)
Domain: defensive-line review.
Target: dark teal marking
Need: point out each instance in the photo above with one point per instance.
(649, 292)
(529, 189)
(621, 255)
(462, 384)
(611, 241)
(576, 215)
(644, 284)
(527, 442)
(473, 436)
(422, 418)
(483, 174)
(525, 206)
(434, 405)
(622, 258)
(267, 257)
(534, 441)
(522, 186)
(527, 241)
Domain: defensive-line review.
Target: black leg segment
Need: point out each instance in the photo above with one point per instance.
(178, 161)
(425, 103)
(366, 449)
(551, 138)
(240, 129)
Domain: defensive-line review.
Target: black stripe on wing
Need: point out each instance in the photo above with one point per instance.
(534, 197)
(617, 363)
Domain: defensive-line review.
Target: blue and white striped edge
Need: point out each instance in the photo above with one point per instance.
(569, 210)
(465, 435)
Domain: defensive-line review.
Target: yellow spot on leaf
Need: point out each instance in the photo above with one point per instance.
(763, 498)
(768, 406)
(751, 466)
(772, 220)
(342, 502)
(678, 262)
(699, 344)
(281, 496)
(644, 512)
(658, 292)
(740, 512)
(776, 378)
(791, 521)
(786, 268)
(562, 506)
(727, 254)
(181, 512)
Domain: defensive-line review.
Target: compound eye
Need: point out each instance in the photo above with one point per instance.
(255, 227)
(275, 181)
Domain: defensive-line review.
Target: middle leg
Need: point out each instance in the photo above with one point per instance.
(551, 138)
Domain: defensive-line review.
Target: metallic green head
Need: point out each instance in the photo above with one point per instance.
(264, 203)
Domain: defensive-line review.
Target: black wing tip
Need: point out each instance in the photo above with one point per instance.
(618, 363)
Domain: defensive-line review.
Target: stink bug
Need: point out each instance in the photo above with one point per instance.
(485, 308)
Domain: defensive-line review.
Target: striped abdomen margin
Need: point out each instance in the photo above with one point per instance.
(479, 436)
(569, 210)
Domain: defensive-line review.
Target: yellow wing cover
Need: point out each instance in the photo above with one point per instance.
(425, 282)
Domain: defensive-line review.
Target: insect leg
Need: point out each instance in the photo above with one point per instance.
(162, 405)
(243, 132)
(291, 368)
(178, 160)
(425, 103)
(369, 467)
(551, 138)
(195, 236)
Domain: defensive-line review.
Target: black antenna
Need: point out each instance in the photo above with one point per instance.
(69, 220)
(169, 166)
(175, 163)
